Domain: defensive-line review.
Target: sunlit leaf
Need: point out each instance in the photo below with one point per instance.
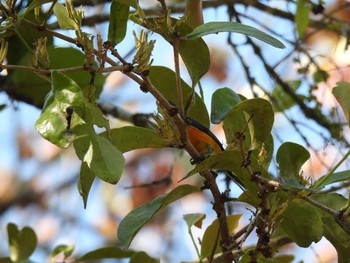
(212, 234)
(302, 17)
(22, 243)
(301, 223)
(166, 84)
(342, 94)
(63, 18)
(290, 158)
(222, 101)
(66, 250)
(137, 218)
(119, 13)
(52, 123)
(195, 219)
(217, 27)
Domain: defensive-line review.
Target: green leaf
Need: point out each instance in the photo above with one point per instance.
(67, 251)
(52, 123)
(137, 218)
(142, 257)
(22, 243)
(195, 219)
(117, 253)
(119, 13)
(130, 138)
(6, 260)
(302, 16)
(167, 86)
(212, 233)
(265, 153)
(86, 179)
(106, 252)
(194, 53)
(281, 100)
(259, 117)
(132, 3)
(231, 161)
(217, 27)
(246, 258)
(33, 4)
(335, 178)
(301, 223)
(101, 157)
(33, 89)
(335, 234)
(222, 101)
(320, 76)
(342, 94)
(64, 21)
(290, 158)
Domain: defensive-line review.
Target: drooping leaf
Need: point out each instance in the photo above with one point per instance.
(194, 53)
(137, 218)
(167, 86)
(301, 223)
(217, 27)
(86, 178)
(52, 123)
(290, 158)
(335, 234)
(64, 21)
(131, 138)
(212, 232)
(119, 13)
(342, 94)
(302, 17)
(22, 243)
(222, 101)
(195, 219)
(334, 178)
